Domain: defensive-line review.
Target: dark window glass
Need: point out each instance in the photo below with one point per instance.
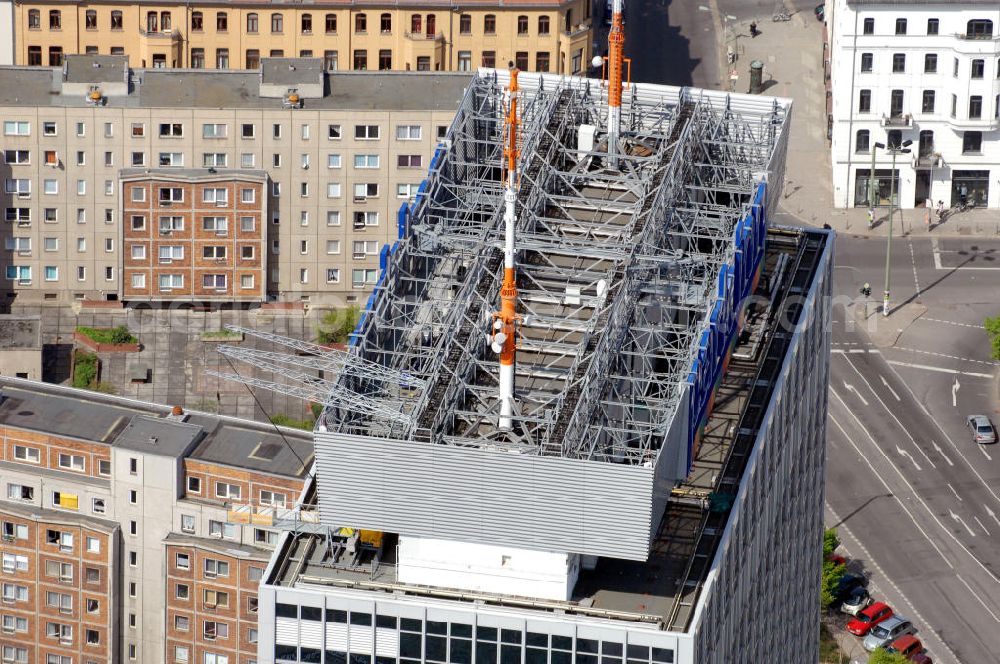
(310, 655)
(898, 63)
(894, 138)
(663, 655)
(930, 63)
(486, 633)
(411, 625)
(611, 648)
(286, 611)
(461, 652)
(638, 652)
(932, 26)
(461, 629)
(979, 28)
(865, 101)
(510, 654)
(357, 658)
(286, 652)
(535, 656)
(385, 621)
(861, 144)
(336, 657)
(611, 659)
(486, 653)
(975, 107)
(586, 659)
(928, 102)
(436, 627)
(336, 615)
(409, 645)
(435, 648)
(586, 645)
(561, 657)
(537, 639)
(511, 636)
(867, 60)
(385, 660)
(869, 26)
(361, 618)
(312, 613)
(562, 642)
(900, 26)
(978, 68)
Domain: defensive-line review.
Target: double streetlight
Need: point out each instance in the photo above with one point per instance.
(894, 150)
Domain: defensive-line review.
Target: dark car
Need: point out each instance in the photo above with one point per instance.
(848, 584)
(820, 12)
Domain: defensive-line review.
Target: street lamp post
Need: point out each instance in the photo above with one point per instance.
(894, 150)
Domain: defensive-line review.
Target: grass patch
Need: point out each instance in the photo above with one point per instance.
(84, 370)
(221, 335)
(103, 335)
(286, 421)
(336, 326)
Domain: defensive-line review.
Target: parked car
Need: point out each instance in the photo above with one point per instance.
(887, 632)
(847, 584)
(820, 12)
(857, 600)
(868, 618)
(837, 559)
(982, 429)
(922, 658)
(907, 645)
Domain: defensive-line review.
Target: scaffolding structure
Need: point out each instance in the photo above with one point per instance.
(617, 272)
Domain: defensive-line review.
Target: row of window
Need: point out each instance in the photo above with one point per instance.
(211, 630)
(977, 28)
(972, 141)
(22, 215)
(977, 68)
(928, 104)
(419, 24)
(209, 130)
(360, 278)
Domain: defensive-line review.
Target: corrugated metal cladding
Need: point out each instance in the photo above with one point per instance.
(474, 495)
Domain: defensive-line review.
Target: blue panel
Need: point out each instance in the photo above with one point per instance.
(401, 219)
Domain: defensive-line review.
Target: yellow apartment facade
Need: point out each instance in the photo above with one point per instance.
(536, 35)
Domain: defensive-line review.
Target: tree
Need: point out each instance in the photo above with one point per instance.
(830, 542)
(336, 326)
(992, 326)
(880, 656)
(832, 573)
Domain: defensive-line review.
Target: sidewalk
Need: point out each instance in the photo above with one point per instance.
(792, 53)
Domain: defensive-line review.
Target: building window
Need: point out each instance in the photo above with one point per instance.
(543, 25)
(330, 24)
(307, 24)
(330, 60)
(865, 101)
(490, 24)
(868, 26)
(489, 59)
(222, 58)
(898, 63)
(954, 68)
(34, 19)
(55, 19)
(431, 26)
(409, 161)
(416, 24)
(90, 19)
(521, 60)
(896, 104)
(253, 23)
(34, 56)
(221, 22)
(277, 23)
(866, 62)
(978, 68)
(385, 23)
(423, 63)
(932, 26)
(72, 461)
(360, 60)
(465, 24)
(55, 56)
(522, 25)
(927, 106)
(197, 21)
(384, 59)
(975, 107)
(954, 105)
(979, 28)
(360, 24)
(930, 63)
(465, 61)
(900, 26)
(972, 142)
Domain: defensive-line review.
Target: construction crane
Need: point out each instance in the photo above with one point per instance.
(506, 321)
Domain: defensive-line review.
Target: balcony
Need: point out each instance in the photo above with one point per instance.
(895, 121)
(166, 35)
(424, 36)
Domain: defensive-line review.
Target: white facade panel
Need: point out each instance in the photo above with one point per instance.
(286, 631)
(311, 634)
(336, 636)
(386, 642)
(361, 639)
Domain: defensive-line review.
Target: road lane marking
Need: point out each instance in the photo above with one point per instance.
(850, 388)
(925, 367)
(909, 456)
(892, 391)
(913, 262)
(887, 487)
(981, 525)
(976, 595)
(950, 357)
(985, 453)
(893, 416)
(916, 495)
(993, 515)
(941, 452)
(939, 266)
(954, 492)
(950, 322)
(955, 517)
(842, 351)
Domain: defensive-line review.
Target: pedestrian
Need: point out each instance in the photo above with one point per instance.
(753, 29)
(871, 218)
(940, 210)
(963, 196)
(928, 204)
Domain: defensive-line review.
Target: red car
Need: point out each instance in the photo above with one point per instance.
(907, 645)
(868, 618)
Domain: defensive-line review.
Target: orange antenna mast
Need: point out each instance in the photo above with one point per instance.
(505, 321)
(616, 56)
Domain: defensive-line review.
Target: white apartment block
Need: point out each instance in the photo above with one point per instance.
(339, 154)
(7, 44)
(920, 71)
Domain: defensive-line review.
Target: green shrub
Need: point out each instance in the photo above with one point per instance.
(830, 542)
(84, 369)
(114, 335)
(880, 656)
(336, 326)
(285, 421)
(106, 388)
(832, 573)
(992, 326)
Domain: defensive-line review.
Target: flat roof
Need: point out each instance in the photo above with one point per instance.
(49, 516)
(231, 88)
(96, 69)
(117, 421)
(664, 588)
(220, 546)
(20, 332)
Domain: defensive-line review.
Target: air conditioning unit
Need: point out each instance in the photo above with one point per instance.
(24, 194)
(360, 199)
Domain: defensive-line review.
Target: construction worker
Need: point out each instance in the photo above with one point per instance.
(871, 218)
(866, 290)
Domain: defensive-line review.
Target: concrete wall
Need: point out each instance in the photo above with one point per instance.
(27, 362)
(8, 45)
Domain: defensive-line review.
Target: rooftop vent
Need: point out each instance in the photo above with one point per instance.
(177, 414)
(292, 98)
(94, 97)
(266, 451)
(153, 440)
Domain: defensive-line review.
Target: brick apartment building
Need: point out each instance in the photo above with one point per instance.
(130, 533)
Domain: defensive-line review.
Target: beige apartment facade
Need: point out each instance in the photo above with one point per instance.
(538, 35)
(333, 168)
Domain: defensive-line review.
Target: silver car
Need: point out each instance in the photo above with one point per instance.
(982, 429)
(886, 632)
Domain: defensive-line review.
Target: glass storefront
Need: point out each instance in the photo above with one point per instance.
(975, 185)
(883, 185)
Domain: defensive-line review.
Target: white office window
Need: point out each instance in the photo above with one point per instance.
(138, 194)
(333, 217)
(182, 561)
(246, 281)
(248, 160)
(332, 275)
(81, 244)
(333, 132)
(408, 132)
(29, 454)
(72, 462)
(22, 245)
(169, 281)
(227, 490)
(138, 280)
(138, 251)
(170, 224)
(366, 132)
(333, 161)
(363, 277)
(109, 130)
(109, 244)
(109, 187)
(365, 218)
(19, 186)
(16, 128)
(171, 159)
(303, 275)
(81, 273)
(51, 273)
(363, 248)
(366, 161)
(216, 195)
(276, 189)
(247, 224)
(214, 224)
(50, 186)
(406, 190)
(215, 160)
(333, 190)
(93, 545)
(305, 132)
(213, 130)
(303, 217)
(109, 273)
(365, 190)
(304, 189)
(248, 195)
(50, 244)
(81, 129)
(223, 530)
(333, 246)
(169, 252)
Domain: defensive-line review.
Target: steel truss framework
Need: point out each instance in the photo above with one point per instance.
(617, 269)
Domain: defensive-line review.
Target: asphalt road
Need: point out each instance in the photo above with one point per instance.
(916, 501)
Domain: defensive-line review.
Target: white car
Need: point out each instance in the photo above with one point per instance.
(856, 601)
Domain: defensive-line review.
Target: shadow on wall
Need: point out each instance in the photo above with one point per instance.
(7, 228)
(659, 52)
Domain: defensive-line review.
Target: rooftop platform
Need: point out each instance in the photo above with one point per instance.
(664, 588)
(116, 421)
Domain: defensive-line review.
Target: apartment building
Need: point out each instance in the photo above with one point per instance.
(437, 35)
(135, 532)
(923, 74)
(325, 160)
